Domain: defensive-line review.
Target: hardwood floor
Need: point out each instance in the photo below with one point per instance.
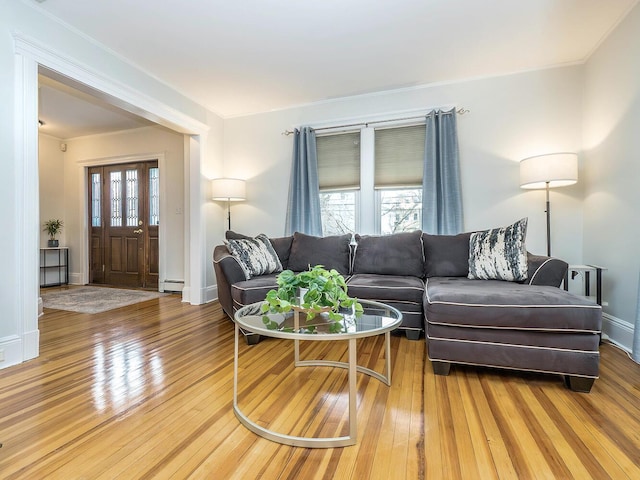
(145, 392)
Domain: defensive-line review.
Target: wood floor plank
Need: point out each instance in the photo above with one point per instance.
(145, 392)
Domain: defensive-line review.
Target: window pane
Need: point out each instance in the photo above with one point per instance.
(339, 160)
(132, 198)
(154, 196)
(96, 213)
(399, 156)
(338, 210)
(116, 199)
(400, 210)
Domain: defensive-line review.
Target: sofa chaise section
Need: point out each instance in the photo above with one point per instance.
(514, 326)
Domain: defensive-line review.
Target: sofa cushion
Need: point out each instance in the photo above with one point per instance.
(456, 301)
(446, 255)
(252, 291)
(282, 245)
(231, 235)
(499, 253)
(332, 252)
(402, 292)
(397, 254)
(255, 255)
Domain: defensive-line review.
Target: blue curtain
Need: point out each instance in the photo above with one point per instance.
(303, 210)
(441, 192)
(635, 353)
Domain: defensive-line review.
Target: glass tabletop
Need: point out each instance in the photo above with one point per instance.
(377, 318)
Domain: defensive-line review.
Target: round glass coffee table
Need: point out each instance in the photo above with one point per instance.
(377, 319)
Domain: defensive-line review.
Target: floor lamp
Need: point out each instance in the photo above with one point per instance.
(229, 190)
(549, 171)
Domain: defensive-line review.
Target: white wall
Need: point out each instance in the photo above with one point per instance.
(214, 222)
(511, 117)
(140, 143)
(52, 185)
(612, 151)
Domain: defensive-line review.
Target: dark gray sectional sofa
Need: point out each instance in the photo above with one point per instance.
(531, 325)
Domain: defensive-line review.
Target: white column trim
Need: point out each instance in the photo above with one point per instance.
(196, 279)
(26, 205)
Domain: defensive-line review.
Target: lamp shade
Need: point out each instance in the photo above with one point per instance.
(556, 169)
(230, 189)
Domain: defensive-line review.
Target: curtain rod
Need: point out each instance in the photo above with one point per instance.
(459, 111)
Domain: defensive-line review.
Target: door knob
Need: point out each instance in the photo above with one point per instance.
(138, 231)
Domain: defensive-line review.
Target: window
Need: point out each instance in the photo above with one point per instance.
(339, 178)
(400, 210)
(338, 210)
(371, 180)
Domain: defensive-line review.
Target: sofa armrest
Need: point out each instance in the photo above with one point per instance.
(228, 271)
(544, 270)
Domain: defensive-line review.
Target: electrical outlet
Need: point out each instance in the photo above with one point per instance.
(605, 304)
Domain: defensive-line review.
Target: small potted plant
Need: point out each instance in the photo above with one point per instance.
(315, 291)
(52, 227)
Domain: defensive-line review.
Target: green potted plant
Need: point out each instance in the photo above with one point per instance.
(52, 227)
(315, 291)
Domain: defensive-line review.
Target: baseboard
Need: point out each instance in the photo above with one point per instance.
(208, 294)
(11, 351)
(171, 286)
(75, 279)
(618, 331)
(31, 344)
(211, 294)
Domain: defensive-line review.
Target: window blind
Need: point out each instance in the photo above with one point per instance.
(339, 161)
(399, 156)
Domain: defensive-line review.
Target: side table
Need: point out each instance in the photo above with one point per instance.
(54, 266)
(586, 270)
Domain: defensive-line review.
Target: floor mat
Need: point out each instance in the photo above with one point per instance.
(94, 299)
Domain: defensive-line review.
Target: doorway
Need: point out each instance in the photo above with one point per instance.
(124, 215)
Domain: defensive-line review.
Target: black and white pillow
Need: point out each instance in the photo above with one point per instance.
(499, 253)
(256, 256)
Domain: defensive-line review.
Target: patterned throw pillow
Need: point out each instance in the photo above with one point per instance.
(499, 253)
(256, 256)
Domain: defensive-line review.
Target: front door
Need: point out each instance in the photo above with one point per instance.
(123, 219)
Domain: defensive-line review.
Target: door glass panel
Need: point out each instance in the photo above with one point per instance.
(96, 215)
(154, 196)
(132, 198)
(116, 199)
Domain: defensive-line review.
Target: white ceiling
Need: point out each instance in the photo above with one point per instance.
(67, 112)
(248, 56)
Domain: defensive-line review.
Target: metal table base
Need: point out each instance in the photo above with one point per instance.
(351, 366)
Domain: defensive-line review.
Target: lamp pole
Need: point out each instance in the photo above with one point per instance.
(548, 222)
